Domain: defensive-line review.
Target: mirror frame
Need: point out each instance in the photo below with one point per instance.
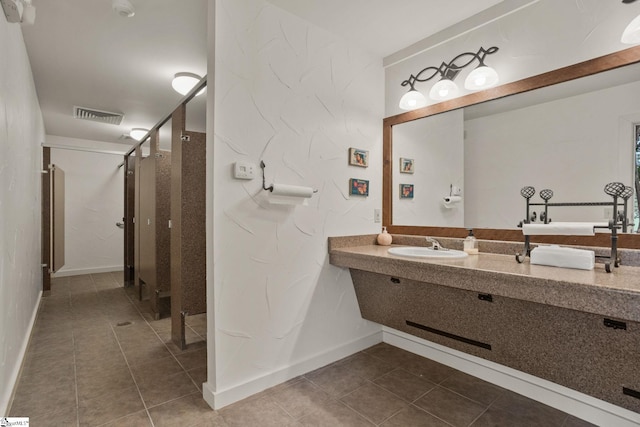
(571, 72)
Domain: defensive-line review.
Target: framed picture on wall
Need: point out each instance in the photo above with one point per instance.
(406, 191)
(358, 187)
(406, 165)
(358, 157)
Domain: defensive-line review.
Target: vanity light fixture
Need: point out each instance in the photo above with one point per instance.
(482, 77)
(138, 133)
(184, 82)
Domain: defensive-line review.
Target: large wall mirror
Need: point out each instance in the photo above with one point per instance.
(571, 130)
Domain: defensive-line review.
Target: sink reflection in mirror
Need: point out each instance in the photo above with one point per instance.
(424, 252)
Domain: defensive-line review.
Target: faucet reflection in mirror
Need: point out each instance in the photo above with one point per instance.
(482, 77)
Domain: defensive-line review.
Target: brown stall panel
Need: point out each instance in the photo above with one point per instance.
(146, 222)
(188, 232)
(127, 219)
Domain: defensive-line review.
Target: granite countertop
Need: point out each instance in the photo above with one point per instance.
(615, 294)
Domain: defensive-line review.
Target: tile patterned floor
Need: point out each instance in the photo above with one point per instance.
(96, 358)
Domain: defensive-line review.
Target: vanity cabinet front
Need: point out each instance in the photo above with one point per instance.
(596, 355)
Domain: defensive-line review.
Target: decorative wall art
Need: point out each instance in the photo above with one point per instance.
(406, 165)
(406, 191)
(358, 157)
(358, 187)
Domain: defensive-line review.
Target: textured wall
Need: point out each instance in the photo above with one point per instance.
(94, 203)
(290, 94)
(21, 133)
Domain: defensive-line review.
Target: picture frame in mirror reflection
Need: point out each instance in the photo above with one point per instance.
(406, 165)
(358, 187)
(406, 191)
(358, 157)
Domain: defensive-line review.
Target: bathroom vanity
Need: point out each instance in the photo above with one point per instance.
(577, 328)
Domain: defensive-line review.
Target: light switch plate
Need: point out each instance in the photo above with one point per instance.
(244, 170)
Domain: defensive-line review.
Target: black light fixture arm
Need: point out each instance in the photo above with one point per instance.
(450, 70)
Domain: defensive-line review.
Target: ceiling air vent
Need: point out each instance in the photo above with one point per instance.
(84, 113)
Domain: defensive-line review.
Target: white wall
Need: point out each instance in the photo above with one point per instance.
(94, 202)
(437, 146)
(290, 94)
(21, 133)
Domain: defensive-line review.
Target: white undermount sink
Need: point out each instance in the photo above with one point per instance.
(426, 252)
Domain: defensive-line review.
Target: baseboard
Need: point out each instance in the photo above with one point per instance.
(221, 398)
(578, 404)
(6, 400)
(92, 270)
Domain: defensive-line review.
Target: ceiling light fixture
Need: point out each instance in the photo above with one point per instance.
(482, 77)
(184, 82)
(138, 133)
(123, 8)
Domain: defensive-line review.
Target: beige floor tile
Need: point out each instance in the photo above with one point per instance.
(198, 376)
(451, 407)
(405, 385)
(334, 414)
(576, 422)
(149, 368)
(300, 399)
(473, 388)
(139, 419)
(66, 416)
(109, 407)
(190, 410)
(157, 389)
(414, 417)
(141, 354)
(529, 410)
(428, 369)
(193, 359)
(374, 403)
(262, 412)
(367, 367)
(43, 399)
(96, 383)
(336, 379)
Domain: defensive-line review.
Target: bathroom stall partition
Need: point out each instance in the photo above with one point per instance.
(188, 225)
(128, 219)
(153, 177)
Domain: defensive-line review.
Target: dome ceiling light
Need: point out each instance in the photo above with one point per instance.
(138, 133)
(184, 82)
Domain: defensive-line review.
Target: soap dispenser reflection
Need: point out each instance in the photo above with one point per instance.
(471, 244)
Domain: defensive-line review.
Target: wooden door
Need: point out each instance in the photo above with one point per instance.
(57, 218)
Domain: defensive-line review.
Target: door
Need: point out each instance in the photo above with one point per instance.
(57, 218)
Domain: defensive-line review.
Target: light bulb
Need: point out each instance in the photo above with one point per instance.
(412, 100)
(444, 89)
(481, 78)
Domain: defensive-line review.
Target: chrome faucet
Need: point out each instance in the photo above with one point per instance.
(436, 246)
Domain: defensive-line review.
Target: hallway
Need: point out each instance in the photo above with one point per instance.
(96, 360)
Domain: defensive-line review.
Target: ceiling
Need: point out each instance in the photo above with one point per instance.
(84, 54)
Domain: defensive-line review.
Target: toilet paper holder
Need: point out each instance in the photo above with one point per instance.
(293, 191)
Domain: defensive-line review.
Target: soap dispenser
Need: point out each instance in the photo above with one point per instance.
(384, 238)
(471, 244)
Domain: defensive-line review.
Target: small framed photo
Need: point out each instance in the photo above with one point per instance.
(358, 187)
(358, 157)
(406, 191)
(406, 165)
